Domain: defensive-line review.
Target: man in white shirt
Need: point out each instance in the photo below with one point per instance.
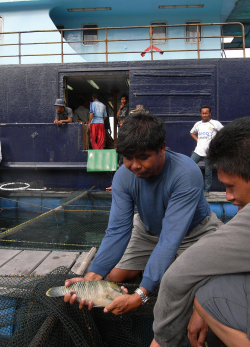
(205, 129)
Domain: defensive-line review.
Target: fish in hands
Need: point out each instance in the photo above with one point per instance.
(101, 293)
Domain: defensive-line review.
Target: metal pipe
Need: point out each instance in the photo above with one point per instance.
(198, 41)
(106, 43)
(84, 265)
(106, 40)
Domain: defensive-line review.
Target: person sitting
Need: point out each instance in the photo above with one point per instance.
(214, 273)
(63, 114)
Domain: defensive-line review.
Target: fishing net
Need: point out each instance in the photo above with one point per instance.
(79, 223)
(29, 318)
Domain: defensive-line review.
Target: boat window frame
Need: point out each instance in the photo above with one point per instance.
(193, 38)
(97, 36)
(1, 27)
(159, 22)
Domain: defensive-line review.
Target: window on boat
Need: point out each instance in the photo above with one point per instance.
(159, 33)
(1, 27)
(191, 32)
(60, 27)
(89, 35)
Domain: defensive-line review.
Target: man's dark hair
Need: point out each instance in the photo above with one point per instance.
(140, 132)
(124, 96)
(95, 96)
(230, 149)
(206, 106)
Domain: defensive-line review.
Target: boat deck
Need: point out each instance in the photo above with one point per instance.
(37, 263)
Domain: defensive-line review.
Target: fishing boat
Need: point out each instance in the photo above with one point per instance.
(169, 56)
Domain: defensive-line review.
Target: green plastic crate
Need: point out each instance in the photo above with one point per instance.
(102, 160)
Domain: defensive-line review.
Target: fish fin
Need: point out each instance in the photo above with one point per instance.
(98, 306)
(109, 299)
(55, 291)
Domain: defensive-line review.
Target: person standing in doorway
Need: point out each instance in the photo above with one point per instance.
(123, 109)
(96, 122)
(203, 132)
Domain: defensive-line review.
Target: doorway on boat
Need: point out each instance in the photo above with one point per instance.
(111, 86)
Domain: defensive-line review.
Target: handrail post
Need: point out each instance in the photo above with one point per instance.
(106, 43)
(243, 40)
(198, 41)
(151, 42)
(19, 47)
(62, 45)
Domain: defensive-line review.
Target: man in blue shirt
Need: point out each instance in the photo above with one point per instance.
(167, 188)
(97, 114)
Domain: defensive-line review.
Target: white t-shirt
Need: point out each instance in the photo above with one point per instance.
(206, 131)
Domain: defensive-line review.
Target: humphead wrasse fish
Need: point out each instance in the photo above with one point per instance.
(101, 293)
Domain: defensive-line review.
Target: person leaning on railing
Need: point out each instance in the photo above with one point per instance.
(63, 114)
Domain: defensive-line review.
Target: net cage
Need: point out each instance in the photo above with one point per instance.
(78, 224)
(30, 318)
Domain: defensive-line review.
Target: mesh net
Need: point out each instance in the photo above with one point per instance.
(29, 318)
(78, 224)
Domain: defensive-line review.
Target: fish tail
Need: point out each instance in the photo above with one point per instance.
(56, 291)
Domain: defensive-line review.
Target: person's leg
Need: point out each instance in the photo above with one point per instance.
(136, 255)
(196, 157)
(231, 337)
(207, 226)
(93, 135)
(122, 275)
(100, 135)
(208, 176)
(223, 304)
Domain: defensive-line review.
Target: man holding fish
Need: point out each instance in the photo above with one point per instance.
(167, 188)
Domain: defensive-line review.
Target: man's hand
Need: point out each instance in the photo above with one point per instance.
(124, 304)
(91, 276)
(197, 330)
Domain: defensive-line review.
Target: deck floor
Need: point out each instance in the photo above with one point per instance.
(37, 263)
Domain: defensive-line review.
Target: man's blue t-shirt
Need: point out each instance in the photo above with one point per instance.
(169, 204)
(99, 110)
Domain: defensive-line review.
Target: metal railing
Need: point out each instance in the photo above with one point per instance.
(106, 40)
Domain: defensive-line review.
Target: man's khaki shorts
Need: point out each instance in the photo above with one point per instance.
(142, 243)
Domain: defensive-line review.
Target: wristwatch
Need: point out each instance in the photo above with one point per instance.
(143, 296)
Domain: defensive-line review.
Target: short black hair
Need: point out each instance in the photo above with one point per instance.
(95, 96)
(229, 150)
(141, 131)
(206, 106)
(124, 96)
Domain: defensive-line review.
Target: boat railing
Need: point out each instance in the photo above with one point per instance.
(113, 35)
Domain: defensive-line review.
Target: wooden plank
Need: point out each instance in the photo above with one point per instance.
(24, 262)
(79, 262)
(54, 260)
(7, 254)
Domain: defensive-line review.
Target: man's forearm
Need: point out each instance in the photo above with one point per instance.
(90, 117)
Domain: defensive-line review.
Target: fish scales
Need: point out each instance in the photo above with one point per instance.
(101, 293)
